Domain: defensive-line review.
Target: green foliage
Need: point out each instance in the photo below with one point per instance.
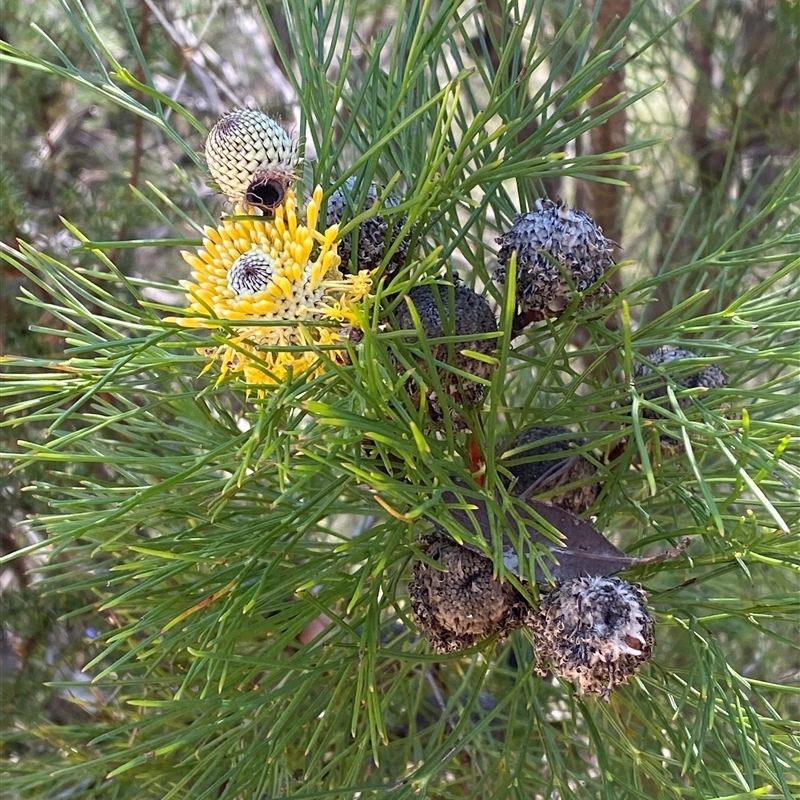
(187, 536)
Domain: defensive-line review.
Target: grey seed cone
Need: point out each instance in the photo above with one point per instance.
(595, 631)
(469, 314)
(464, 604)
(252, 158)
(709, 377)
(559, 249)
(375, 235)
(551, 473)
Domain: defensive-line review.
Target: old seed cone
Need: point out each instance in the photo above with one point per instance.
(559, 250)
(595, 631)
(544, 475)
(464, 603)
(465, 313)
(375, 235)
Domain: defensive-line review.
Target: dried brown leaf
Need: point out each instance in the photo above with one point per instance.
(583, 550)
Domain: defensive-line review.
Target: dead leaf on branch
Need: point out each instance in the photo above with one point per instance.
(582, 549)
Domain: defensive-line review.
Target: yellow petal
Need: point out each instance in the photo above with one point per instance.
(192, 260)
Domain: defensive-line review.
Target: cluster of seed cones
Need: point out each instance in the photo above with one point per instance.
(594, 629)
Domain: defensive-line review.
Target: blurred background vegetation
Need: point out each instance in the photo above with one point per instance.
(712, 206)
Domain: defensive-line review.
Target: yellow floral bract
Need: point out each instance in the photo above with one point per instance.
(296, 280)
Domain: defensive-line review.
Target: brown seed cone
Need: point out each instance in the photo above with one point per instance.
(559, 250)
(464, 604)
(595, 631)
(710, 376)
(470, 314)
(548, 474)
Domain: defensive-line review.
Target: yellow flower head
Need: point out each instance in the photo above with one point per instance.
(272, 270)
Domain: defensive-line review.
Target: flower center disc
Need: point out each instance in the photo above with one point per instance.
(251, 273)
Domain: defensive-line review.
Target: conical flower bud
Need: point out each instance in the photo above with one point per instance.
(252, 158)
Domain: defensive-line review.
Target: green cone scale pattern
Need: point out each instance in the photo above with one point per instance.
(252, 158)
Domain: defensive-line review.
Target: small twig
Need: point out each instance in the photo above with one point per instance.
(451, 724)
(136, 161)
(138, 125)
